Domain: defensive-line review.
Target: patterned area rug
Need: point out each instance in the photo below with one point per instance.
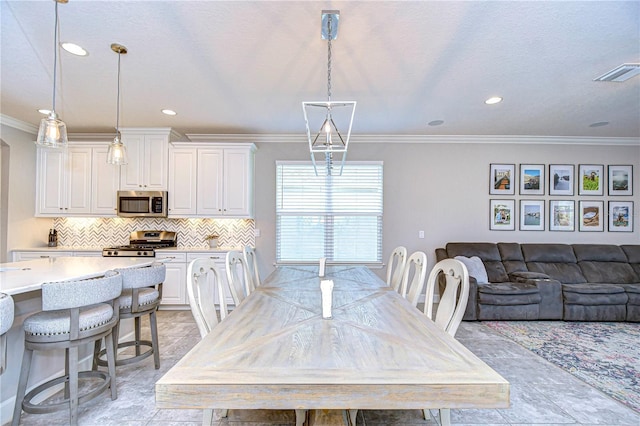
(606, 355)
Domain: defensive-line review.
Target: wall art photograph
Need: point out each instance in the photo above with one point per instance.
(532, 215)
(503, 215)
(620, 216)
(591, 216)
(501, 179)
(531, 179)
(561, 179)
(561, 215)
(590, 179)
(621, 180)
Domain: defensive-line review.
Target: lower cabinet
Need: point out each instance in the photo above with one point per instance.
(174, 290)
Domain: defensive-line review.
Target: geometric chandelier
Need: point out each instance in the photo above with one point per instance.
(327, 144)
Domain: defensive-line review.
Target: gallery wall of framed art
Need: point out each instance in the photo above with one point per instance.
(575, 197)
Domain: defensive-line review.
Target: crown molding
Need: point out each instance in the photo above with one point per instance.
(5, 120)
(424, 139)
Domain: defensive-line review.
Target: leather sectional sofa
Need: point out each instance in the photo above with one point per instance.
(571, 282)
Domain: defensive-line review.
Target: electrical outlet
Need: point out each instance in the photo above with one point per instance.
(420, 234)
(256, 232)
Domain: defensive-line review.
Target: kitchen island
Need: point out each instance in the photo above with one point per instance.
(23, 280)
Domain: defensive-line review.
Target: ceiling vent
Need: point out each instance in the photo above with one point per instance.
(622, 73)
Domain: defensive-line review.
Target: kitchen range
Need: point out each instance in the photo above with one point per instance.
(143, 244)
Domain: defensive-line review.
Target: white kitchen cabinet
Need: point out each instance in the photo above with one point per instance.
(76, 181)
(20, 255)
(174, 289)
(147, 152)
(222, 185)
(63, 182)
(219, 259)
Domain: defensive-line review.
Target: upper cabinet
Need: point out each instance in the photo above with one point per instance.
(76, 181)
(211, 180)
(147, 151)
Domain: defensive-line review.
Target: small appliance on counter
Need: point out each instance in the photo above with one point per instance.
(143, 244)
(53, 238)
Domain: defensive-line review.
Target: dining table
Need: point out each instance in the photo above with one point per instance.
(377, 351)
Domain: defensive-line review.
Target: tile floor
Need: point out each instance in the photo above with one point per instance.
(541, 394)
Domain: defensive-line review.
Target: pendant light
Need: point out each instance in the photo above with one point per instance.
(53, 132)
(117, 153)
(328, 141)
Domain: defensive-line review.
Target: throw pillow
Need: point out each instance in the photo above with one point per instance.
(475, 267)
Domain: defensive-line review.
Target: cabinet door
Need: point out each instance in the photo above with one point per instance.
(210, 182)
(237, 175)
(50, 182)
(155, 163)
(182, 182)
(131, 174)
(173, 289)
(105, 181)
(78, 185)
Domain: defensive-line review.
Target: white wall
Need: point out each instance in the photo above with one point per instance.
(23, 229)
(443, 189)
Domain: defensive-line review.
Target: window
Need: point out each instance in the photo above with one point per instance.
(337, 217)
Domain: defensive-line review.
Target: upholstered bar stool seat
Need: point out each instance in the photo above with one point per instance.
(6, 321)
(141, 295)
(75, 313)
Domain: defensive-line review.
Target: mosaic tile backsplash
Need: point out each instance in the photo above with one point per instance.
(103, 232)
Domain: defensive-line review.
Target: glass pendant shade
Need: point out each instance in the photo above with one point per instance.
(52, 132)
(117, 153)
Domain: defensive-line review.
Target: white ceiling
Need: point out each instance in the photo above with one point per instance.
(246, 66)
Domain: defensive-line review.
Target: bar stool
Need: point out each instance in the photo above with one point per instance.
(6, 321)
(141, 295)
(74, 313)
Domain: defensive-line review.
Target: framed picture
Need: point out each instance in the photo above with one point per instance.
(560, 179)
(503, 215)
(532, 215)
(591, 216)
(620, 216)
(621, 180)
(501, 179)
(590, 179)
(531, 179)
(561, 215)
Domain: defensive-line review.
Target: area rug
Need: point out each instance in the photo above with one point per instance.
(606, 355)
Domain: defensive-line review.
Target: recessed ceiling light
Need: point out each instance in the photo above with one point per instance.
(435, 122)
(621, 73)
(599, 124)
(74, 49)
(493, 100)
(44, 111)
(169, 112)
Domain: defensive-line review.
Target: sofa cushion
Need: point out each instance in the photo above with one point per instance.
(489, 254)
(633, 256)
(594, 294)
(512, 258)
(608, 272)
(475, 267)
(508, 294)
(556, 260)
(599, 253)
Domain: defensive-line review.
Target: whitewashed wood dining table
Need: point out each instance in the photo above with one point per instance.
(275, 351)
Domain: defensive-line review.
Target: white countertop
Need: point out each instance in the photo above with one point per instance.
(22, 277)
(99, 249)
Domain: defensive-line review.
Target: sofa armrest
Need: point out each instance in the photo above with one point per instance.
(551, 305)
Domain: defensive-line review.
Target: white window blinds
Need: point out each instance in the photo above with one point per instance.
(337, 217)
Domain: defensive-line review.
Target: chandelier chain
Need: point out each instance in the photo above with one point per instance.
(329, 60)
(118, 98)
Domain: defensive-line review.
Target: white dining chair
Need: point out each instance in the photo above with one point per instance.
(451, 307)
(203, 281)
(251, 261)
(395, 267)
(414, 276)
(238, 284)
(7, 309)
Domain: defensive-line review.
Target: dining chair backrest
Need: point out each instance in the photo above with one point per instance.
(251, 261)
(238, 284)
(203, 282)
(7, 309)
(395, 267)
(453, 301)
(413, 278)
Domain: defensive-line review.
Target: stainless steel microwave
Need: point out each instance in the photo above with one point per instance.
(142, 203)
